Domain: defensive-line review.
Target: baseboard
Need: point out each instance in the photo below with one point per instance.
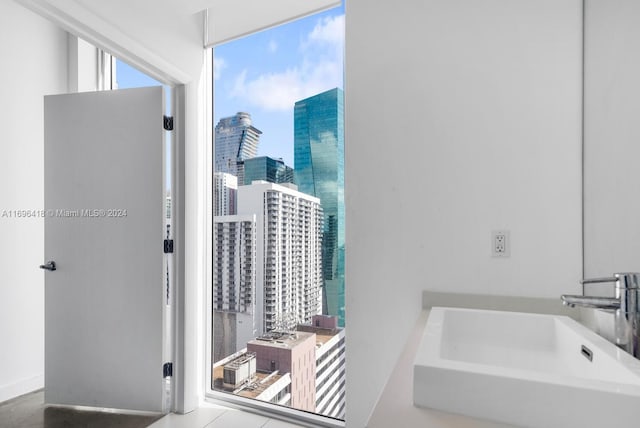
(24, 386)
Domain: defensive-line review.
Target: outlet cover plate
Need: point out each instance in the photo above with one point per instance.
(500, 243)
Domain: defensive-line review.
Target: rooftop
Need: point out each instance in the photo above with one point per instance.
(253, 389)
(323, 335)
(281, 339)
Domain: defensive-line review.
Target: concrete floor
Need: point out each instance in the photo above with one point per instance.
(29, 411)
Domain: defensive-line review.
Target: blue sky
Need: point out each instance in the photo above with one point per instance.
(129, 77)
(264, 74)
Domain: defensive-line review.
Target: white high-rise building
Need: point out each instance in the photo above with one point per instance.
(288, 253)
(226, 188)
(234, 283)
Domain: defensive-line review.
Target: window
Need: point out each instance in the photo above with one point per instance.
(278, 235)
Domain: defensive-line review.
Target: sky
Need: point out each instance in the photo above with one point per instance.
(129, 77)
(264, 74)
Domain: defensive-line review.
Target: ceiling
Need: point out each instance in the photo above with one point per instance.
(165, 38)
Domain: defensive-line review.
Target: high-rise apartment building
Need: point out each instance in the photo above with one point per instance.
(331, 381)
(235, 141)
(225, 193)
(288, 253)
(267, 169)
(234, 283)
(319, 171)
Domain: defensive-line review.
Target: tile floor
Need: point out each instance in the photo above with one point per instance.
(220, 418)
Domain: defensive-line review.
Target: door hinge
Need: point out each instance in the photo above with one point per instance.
(168, 246)
(167, 370)
(168, 123)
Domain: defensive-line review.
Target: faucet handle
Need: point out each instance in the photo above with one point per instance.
(599, 280)
(624, 281)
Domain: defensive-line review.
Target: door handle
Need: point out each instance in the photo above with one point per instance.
(49, 266)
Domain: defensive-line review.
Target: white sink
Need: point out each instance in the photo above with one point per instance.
(524, 369)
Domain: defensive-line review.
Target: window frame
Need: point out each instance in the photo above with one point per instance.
(289, 414)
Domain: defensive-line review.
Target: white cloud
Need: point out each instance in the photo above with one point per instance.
(273, 46)
(321, 69)
(329, 30)
(218, 65)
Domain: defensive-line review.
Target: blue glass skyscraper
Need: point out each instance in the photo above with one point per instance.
(268, 169)
(319, 171)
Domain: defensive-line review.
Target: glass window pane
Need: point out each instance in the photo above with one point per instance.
(278, 264)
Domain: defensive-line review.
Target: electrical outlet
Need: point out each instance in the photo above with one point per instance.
(500, 245)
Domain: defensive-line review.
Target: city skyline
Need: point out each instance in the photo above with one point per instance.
(271, 268)
(318, 171)
(267, 72)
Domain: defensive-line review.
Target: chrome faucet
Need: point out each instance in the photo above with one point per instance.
(626, 305)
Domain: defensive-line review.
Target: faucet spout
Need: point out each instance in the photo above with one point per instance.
(590, 302)
(626, 307)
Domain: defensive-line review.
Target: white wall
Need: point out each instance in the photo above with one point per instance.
(82, 65)
(34, 58)
(612, 133)
(462, 117)
(611, 149)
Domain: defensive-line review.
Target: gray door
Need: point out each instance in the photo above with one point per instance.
(104, 231)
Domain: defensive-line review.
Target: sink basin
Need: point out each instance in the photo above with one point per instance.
(524, 369)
